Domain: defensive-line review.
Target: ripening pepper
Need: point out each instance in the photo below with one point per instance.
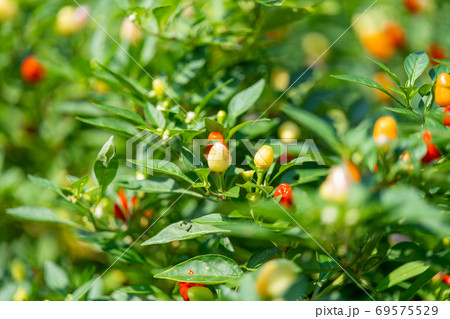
(264, 157)
(379, 44)
(415, 6)
(432, 151)
(129, 32)
(184, 287)
(442, 92)
(446, 279)
(289, 132)
(285, 191)
(8, 9)
(219, 158)
(33, 71)
(214, 137)
(124, 211)
(70, 20)
(386, 82)
(221, 116)
(396, 32)
(340, 179)
(447, 116)
(275, 277)
(385, 131)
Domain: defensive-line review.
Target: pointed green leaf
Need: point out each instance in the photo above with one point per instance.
(183, 230)
(207, 269)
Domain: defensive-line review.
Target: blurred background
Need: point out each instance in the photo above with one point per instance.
(194, 46)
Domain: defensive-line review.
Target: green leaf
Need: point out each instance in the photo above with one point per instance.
(361, 80)
(418, 284)
(402, 273)
(212, 219)
(425, 89)
(284, 167)
(203, 174)
(124, 113)
(56, 278)
(401, 110)
(106, 165)
(163, 11)
(164, 167)
(233, 192)
(154, 116)
(387, 70)
(128, 83)
(244, 100)
(207, 269)
(211, 94)
(260, 257)
(189, 159)
(111, 124)
(214, 126)
(38, 214)
(79, 184)
(46, 183)
(415, 65)
(155, 186)
(315, 125)
(140, 290)
(82, 290)
(271, 3)
(443, 61)
(183, 230)
(236, 128)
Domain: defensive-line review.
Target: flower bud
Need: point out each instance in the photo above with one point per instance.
(8, 9)
(385, 131)
(129, 32)
(289, 132)
(221, 116)
(264, 157)
(285, 191)
(248, 175)
(275, 277)
(159, 88)
(219, 158)
(190, 116)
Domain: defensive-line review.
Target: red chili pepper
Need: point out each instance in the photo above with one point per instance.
(184, 287)
(123, 200)
(214, 137)
(432, 151)
(32, 70)
(447, 116)
(446, 279)
(285, 191)
(134, 201)
(119, 214)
